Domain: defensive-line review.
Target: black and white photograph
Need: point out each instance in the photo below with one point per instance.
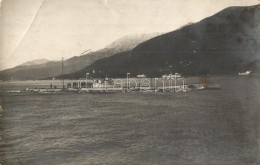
(137, 82)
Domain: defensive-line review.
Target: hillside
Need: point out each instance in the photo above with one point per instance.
(35, 62)
(129, 42)
(39, 69)
(225, 43)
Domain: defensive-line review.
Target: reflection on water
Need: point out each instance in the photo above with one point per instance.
(203, 127)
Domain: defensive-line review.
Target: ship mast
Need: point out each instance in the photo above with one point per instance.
(62, 74)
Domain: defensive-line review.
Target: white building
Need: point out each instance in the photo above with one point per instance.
(170, 76)
(141, 76)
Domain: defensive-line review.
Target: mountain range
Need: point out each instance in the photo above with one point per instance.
(44, 69)
(225, 43)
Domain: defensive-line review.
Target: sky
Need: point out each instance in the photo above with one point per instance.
(52, 29)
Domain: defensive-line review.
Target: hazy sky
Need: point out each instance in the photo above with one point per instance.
(50, 29)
